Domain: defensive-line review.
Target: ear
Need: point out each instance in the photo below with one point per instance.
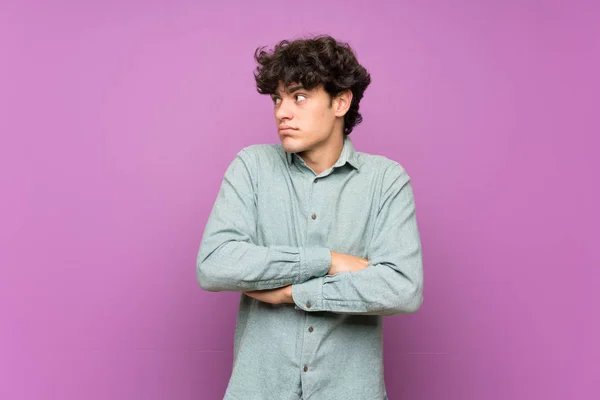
(341, 102)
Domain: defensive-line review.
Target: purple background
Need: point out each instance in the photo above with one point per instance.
(118, 120)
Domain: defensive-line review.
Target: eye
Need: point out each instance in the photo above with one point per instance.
(303, 97)
(276, 100)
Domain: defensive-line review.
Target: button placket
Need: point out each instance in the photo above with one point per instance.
(313, 216)
(313, 238)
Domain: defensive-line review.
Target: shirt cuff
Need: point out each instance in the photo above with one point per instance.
(314, 262)
(308, 296)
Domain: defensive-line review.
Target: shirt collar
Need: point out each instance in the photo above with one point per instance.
(348, 154)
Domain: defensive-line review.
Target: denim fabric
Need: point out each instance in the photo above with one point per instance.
(274, 223)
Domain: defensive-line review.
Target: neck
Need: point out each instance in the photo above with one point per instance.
(324, 155)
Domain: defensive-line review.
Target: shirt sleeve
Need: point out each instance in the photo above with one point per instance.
(229, 258)
(392, 283)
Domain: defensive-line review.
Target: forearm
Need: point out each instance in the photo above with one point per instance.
(375, 290)
(242, 266)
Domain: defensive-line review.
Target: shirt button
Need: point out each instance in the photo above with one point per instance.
(308, 304)
(305, 368)
(314, 216)
(310, 329)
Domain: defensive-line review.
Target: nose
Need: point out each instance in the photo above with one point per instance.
(283, 111)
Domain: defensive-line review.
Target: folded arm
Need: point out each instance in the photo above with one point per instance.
(229, 259)
(393, 281)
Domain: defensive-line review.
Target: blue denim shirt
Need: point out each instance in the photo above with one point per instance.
(274, 223)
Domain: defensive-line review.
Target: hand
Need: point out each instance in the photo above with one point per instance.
(282, 295)
(345, 262)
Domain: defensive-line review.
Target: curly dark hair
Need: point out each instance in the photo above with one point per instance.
(311, 62)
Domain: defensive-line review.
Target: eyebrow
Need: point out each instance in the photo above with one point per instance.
(294, 88)
(290, 90)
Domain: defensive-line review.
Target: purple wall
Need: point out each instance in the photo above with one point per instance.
(118, 119)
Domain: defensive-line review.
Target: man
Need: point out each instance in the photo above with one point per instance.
(321, 239)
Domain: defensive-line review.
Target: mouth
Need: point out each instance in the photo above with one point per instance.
(286, 130)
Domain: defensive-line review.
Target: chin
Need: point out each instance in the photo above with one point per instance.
(292, 145)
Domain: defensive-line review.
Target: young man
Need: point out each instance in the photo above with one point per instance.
(321, 239)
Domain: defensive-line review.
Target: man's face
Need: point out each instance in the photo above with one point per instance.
(305, 118)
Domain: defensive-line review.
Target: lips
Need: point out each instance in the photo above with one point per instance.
(286, 128)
